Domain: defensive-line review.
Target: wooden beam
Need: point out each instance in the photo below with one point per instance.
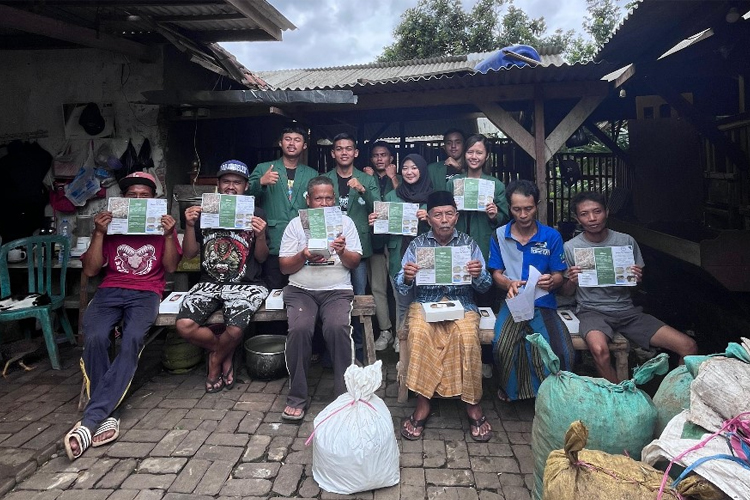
(40, 25)
(570, 124)
(625, 76)
(606, 140)
(704, 124)
(382, 129)
(510, 127)
(426, 98)
(540, 154)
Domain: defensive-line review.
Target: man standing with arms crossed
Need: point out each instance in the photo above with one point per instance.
(279, 187)
(355, 193)
(383, 171)
(443, 171)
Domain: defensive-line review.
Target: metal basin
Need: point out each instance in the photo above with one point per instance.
(264, 356)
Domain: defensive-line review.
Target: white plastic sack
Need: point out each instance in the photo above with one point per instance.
(726, 475)
(719, 392)
(354, 446)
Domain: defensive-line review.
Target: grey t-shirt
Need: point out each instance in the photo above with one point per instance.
(608, 298)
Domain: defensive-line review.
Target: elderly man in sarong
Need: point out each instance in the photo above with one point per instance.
(445, 356)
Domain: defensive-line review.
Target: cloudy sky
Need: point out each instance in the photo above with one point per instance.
(344, 32)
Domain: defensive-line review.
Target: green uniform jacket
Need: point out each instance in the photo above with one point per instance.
(379, 240)
(437, 172)
(274, 199)
(395, 241)
(360, 212)
(480, 227)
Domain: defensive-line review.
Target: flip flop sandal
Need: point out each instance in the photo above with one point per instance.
(480, 438)
(293, 418)
(296, 418)
(108, 424)
(214, 385)
(82, 437)
(416, 425)
(229, 385)
(503, 396)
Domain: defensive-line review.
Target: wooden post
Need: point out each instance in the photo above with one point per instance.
(539, 154)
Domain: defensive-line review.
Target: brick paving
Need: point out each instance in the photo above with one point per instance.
(179, 443)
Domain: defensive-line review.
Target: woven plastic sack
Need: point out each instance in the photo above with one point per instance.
(354, 447)
(575, 473)
(620, 417)
(672, 397)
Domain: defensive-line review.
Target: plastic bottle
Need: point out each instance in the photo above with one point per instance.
(65, 230)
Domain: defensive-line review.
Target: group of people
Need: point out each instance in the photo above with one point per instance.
(239, 267)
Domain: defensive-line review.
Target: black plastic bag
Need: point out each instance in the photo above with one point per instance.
(128, 159)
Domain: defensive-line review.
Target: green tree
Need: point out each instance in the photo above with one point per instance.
(600, 22)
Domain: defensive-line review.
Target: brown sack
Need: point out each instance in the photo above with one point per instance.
(576, 473)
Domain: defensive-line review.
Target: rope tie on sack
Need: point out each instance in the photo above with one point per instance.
(307, 442)
(737, 433)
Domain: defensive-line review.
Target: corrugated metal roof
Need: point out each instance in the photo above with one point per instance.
(471, 79)
(313, 78)
(655, 26)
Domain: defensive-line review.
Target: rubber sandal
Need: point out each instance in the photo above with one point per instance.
(108, 424)
(416, 425)
(293, 418)
(229, 385)
(213, 385)
(480, 438)
(503, 396)
(82, 436)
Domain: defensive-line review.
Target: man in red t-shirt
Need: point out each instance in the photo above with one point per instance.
(134, 268)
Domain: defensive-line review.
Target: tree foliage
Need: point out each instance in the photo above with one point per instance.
(436, 28)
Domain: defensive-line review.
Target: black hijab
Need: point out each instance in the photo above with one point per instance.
(420, 190)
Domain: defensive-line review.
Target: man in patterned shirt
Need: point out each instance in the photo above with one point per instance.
(445, 357)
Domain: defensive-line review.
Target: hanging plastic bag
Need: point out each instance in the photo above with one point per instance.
(67, 163)
(128, 160)
(354, 446)
(85, 185)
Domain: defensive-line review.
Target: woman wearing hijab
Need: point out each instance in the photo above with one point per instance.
(415, 188)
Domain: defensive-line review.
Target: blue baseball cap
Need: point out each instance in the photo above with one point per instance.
(233, 167)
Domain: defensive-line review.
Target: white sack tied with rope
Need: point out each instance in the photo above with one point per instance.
(354, 445)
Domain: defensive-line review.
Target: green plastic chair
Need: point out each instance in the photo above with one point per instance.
(40, 262)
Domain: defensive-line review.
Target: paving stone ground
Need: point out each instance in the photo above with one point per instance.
(177, 442)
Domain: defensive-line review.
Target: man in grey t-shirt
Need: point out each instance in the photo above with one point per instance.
(603, 311)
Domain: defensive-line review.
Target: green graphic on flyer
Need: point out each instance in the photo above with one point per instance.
(227, 210)
(443, 265)
(137, 216)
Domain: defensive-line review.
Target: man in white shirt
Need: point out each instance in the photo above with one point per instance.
(318, 286)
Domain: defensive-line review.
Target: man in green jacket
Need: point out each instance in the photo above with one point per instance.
(356, 192)
(383, 170)
(443, 171)
(279, 187)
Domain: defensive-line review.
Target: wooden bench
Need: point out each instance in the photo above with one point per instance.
(619, 347)
(363, 307)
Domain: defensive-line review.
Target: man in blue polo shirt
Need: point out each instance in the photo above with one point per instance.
(514, 247)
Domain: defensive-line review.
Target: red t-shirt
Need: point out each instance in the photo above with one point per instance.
(135, 262)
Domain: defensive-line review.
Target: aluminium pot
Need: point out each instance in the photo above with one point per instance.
(264, 357)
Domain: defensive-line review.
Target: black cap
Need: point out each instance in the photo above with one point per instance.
(440, 199)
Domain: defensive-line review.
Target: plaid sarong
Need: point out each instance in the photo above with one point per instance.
(445, 357)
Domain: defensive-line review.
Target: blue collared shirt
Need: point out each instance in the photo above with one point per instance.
(434, 293)
(544, 251)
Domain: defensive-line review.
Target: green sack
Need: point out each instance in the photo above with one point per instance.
(179, 355)
(672, 397)
(620, 417)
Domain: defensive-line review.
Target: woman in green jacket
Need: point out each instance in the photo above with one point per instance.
(415, 188)
(481, 224)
